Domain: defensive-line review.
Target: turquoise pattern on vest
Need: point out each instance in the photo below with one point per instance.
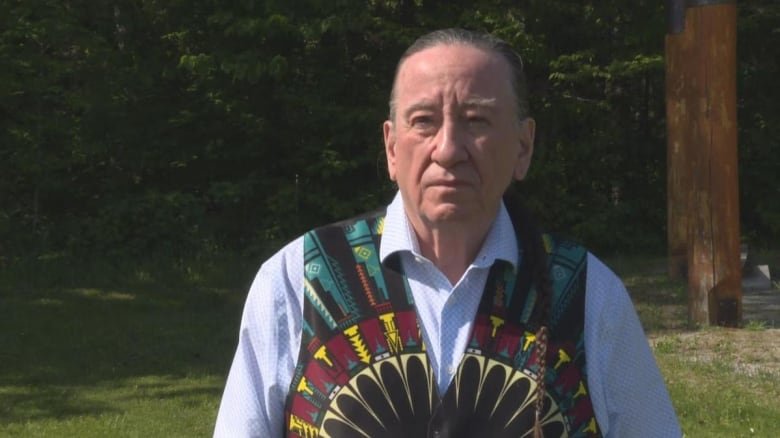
(363, 370)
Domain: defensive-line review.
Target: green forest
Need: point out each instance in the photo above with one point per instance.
(132, 127)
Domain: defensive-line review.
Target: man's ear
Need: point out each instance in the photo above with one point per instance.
(526, 150)
(388, 131)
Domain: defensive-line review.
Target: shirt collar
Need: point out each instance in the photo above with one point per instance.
(398, 236)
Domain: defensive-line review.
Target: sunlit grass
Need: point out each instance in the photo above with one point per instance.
(723, 382)
(140, 406)
(716, 396)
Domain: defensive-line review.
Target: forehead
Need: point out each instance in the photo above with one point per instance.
(457, 70)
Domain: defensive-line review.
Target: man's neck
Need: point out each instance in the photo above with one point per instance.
(452, 247)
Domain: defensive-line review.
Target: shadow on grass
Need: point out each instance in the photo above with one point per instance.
(660, 302)
(164, 392)
(43, 403)
(65, 324)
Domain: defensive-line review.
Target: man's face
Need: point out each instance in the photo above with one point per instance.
(456, 141)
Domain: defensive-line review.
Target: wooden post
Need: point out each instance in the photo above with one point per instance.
(681, 89)
(703, 202)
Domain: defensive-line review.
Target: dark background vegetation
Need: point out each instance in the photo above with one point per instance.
(130, 128)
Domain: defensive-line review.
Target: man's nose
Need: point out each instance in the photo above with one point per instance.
(450, 148)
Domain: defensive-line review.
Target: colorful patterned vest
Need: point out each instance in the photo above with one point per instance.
(363, 370)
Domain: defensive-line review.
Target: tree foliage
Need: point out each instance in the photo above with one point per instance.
(759, 119)
(137, 125)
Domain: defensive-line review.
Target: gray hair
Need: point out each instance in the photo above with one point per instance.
(478, 40)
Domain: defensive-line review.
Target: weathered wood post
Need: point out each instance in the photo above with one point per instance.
(680, 86)
(703, 198)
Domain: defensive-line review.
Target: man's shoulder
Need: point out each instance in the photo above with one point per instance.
(284, 257)
(352, 230)
(293, 250)
(369, 216)
(560, 246)
(571, 254)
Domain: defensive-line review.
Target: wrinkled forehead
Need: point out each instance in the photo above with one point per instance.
(454, 59)
(454, 68)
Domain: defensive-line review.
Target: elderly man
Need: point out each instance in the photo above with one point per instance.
(448, 314)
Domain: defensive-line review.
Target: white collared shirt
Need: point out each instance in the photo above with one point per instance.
(446, 311)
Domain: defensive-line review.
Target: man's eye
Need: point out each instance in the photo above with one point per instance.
(422, 122)
(477, 121)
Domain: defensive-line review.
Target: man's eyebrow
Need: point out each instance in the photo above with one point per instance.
(472, 102)
(480, 102)
(419, 106)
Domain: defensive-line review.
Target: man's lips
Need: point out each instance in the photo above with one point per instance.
(454, 183)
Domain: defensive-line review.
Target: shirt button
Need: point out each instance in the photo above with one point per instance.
(451, 370)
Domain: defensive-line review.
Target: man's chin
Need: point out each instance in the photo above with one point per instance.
(450, 212)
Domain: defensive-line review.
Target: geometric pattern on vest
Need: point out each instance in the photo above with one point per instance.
(363, 370)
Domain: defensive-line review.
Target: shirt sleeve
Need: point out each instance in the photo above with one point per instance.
(269, 339)
(628, 393)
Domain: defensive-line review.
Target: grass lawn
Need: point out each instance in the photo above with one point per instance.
(723, 382)
(143, 350)
(116, 351)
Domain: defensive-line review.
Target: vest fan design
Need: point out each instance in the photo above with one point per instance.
(363, 370)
